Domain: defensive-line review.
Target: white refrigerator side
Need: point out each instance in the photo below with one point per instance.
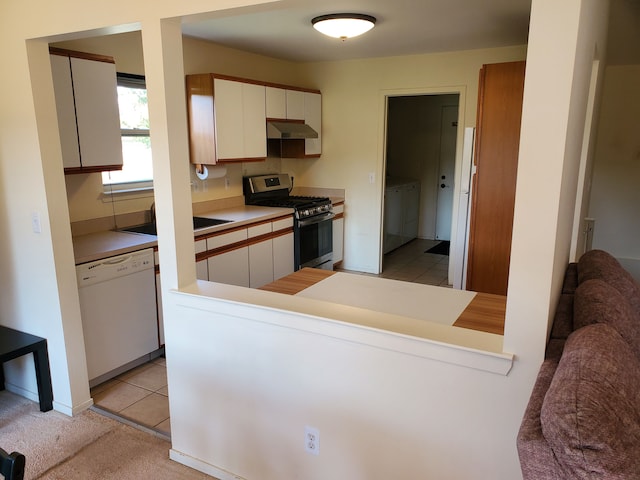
(460, 248)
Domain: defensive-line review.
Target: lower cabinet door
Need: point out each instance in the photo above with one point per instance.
(202, 270)
(230, 267)
(283, 256)
(260, 264)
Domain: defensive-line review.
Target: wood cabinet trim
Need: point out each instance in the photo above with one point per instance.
(261, 83)
(84, 55)
(95, 169)
(231, 160)
(200, 112)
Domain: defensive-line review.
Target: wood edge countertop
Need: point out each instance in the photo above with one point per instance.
(485, 313)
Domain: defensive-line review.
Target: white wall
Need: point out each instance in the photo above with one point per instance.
(479, 411)
(353, 136)
(615, 191)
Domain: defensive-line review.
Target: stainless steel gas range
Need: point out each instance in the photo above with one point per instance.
(313, 217)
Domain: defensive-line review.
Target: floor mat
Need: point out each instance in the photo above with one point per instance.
(440, 249)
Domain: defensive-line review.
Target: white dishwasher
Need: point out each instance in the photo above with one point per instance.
(118, 307)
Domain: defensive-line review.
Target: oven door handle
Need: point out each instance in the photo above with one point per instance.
(317, 219)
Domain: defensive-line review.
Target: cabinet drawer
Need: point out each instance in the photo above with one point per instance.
(201, 246)
(226, 239)
(257, 230)
(282, 224)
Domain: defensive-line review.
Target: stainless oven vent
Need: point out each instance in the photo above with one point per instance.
(290, 130)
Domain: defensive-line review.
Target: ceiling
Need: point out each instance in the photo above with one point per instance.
(282, 29)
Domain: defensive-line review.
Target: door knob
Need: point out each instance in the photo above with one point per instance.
(442, 185)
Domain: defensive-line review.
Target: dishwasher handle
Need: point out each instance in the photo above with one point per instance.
(117, 260)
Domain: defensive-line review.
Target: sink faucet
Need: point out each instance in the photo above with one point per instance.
(152, 212)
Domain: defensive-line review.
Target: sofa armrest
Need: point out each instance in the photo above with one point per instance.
(537, 460)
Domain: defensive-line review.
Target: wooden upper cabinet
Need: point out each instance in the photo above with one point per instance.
(494, 182)
(85, 87)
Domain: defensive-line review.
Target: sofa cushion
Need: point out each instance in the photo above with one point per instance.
(591, 415)
(598, 264)
(598, 302)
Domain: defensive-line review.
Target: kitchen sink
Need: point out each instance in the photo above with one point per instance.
(198, 222)
(146, 228)
(203, 222)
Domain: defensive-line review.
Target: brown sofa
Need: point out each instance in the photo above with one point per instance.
(583, 416)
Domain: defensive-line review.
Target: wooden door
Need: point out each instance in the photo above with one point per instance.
(494, 183)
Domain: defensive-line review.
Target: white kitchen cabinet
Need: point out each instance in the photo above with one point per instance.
(66, 111)
(295, 105)
(231, 267)
(276, 102)
(283, 254)
(260, 256)
(401, 214)
(313, 118)
(240, 120)
(202, 267)
(411, 207)
(282, 103)
(87, 111)
(261, 263)
(392, 218)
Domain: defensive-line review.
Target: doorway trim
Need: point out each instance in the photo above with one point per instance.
(461, 91)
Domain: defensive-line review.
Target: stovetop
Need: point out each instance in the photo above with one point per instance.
(273, 191)
(291, 201)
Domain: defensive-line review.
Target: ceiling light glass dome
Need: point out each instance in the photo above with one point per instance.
(343, 25)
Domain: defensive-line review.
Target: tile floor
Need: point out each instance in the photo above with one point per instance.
(410, 263)
(141, 396)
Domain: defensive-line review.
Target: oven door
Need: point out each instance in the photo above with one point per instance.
(313, 242)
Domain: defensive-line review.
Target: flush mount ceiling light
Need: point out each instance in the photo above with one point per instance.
(343, 25)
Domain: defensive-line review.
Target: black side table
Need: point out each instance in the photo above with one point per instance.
(14, 344)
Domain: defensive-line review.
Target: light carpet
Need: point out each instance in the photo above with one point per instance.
(87, 446)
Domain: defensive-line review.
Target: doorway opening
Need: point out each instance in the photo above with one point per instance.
(422, 139)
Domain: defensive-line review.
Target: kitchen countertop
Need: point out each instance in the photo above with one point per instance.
(95, 246)
(476, 311)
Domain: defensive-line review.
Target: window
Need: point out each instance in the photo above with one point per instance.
(137, 171)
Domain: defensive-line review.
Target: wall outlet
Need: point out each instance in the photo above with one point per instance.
(312, 440)
(226, 182)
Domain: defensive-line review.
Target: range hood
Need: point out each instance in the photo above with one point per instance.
(289, 130)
